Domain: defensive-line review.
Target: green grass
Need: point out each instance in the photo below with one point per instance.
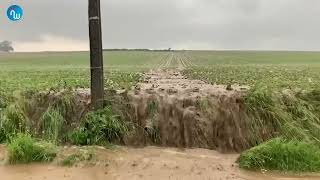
(99, 127)
(273, 113)
(12, 122)
(82, 155)
(60, 118)
(42, 115)
(293, 116)
(24, 149)
(52, 125)
(284, 155)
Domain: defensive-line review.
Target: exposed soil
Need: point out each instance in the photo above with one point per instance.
(142, 164)
(179, 112)
(167, 109)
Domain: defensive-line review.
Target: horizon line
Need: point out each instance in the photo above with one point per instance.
(145, 49)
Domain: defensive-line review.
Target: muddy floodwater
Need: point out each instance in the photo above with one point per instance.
(146, 164)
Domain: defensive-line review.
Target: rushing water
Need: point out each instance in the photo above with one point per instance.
(41, 172)
(150, 163)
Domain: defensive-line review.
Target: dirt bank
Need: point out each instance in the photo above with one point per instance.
(176, 111)
(164, 109)
(144, 164)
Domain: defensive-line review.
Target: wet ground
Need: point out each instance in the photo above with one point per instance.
(144, 164)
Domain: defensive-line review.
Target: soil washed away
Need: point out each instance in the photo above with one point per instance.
(144, 164)
(179, 112)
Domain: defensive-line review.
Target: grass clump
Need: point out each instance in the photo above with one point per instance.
(152, 129)
(281, 154)
(24, 149)
(99, 127)
(294, 116)
(3, 102)
(273, 114)
(52, 123)
(82, 155)
(12, 122)
(312, 97)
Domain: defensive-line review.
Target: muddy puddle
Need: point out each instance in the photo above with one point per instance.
(145, 164)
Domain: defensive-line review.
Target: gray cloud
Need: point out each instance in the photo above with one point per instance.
(196, 24)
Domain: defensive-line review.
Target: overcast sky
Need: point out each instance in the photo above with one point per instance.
(180, 24)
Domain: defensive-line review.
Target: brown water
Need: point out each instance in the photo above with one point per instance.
(187, 113)
(146, 164)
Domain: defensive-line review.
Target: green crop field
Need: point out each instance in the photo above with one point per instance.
(277, 69)
(21, 71)
(40, 71)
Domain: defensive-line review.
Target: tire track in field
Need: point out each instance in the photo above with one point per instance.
(163, 61)
(188, 60)
(179, 60)
(181, 64)
(169, 61)
(185, 60)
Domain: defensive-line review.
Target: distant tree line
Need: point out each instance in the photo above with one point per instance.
(125, 49)
(6, 46)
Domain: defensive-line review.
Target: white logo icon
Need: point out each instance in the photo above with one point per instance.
(15, 15)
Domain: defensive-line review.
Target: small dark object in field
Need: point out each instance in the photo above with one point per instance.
(151, 91)
(229, 87)
(137, 88)
(155, 85)
(240, 101)
(172, 91)
(196, 89)
(134, 164)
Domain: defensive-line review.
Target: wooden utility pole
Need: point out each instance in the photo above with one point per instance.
(96, 57)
